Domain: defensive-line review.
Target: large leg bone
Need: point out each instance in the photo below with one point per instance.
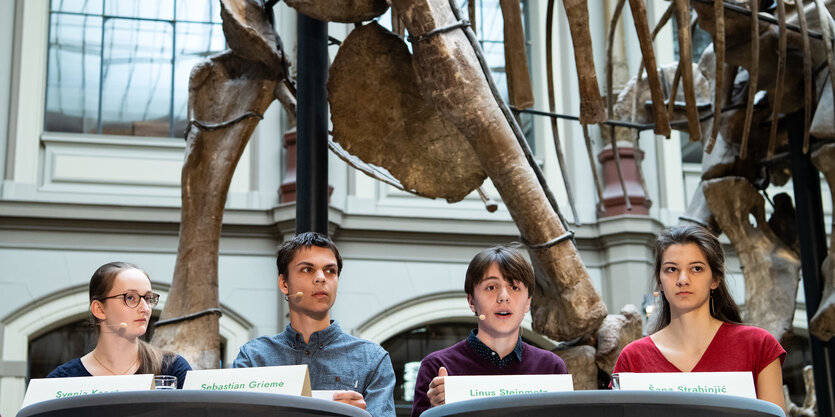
(555, 133)
(781, 72)
(567, 305)
(686, 58)
(218, 133)
(211, 157)
(823, 323)
(519, 87)
(753, 75)
(771, 269)
(610, 99)
(719, 73)
(807, 74)
(659, 112)
(592, 108)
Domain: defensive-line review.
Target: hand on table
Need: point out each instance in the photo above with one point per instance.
(350, 397)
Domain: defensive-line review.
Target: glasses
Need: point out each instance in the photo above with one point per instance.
(132, 298)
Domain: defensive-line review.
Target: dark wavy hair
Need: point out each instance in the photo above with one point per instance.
(723, 306)
(513, 266)
(151, 358)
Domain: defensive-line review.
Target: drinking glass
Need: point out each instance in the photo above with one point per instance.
(165, 382)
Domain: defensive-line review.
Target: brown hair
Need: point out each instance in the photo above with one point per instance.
(151, 359)
(724, 307)
(511, 263)
(287, 250)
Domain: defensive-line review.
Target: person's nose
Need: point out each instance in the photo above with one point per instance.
(319, 278)
(504, 296)
(683, 279)
(143, 305)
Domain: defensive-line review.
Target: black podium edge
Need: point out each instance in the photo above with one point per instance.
(196, 396)
(606, 397)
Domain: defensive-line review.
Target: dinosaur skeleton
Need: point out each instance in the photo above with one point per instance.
(441, 97)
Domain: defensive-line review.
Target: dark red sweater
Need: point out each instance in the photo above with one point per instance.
(461, 359)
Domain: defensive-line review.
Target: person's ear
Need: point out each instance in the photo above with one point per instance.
(282, 284)
(97, 309)
(471, 301)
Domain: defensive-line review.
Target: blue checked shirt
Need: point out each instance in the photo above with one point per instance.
(335, 361)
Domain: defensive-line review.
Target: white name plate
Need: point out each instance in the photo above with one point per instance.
(42, 389)
(292, 380)
(461, 388)
(324, 394)
(723, 383)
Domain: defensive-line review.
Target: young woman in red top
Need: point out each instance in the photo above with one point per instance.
(698, 326)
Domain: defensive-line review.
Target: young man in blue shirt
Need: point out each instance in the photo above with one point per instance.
(308, 274)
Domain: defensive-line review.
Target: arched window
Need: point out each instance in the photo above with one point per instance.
(73, 340)
(58, 319)
(414, 329)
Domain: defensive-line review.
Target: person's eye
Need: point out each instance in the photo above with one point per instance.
(515, 287)
(698, 269)
(670, 269)
(490, 287)
(131, 297)
(306, 269)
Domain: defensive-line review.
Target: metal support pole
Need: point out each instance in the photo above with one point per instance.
(812, 236)
(312, 127)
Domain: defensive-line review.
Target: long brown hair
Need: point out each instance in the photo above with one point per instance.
(151, 359)
(723, 306)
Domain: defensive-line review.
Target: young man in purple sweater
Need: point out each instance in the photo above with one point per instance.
(498, 286)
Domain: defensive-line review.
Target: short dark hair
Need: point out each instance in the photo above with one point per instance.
(724, 307)
(513, 266)
(288, 250)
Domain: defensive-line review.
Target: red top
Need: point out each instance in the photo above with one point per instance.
(734, 348)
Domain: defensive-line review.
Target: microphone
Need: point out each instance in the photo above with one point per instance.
(482, 317)
(299, 294)
(123, 325)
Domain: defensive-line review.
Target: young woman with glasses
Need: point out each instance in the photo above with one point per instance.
(120, 303)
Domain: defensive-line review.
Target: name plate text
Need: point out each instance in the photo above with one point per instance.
(723, 383)
(291, 380)
(461, 388)
(42, 389)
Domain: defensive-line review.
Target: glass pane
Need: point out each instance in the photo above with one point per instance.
(146, 9)
(198, 11)
(490, 24)
(195, 42)
(136, 88)
(77, 6)
(72, 84)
